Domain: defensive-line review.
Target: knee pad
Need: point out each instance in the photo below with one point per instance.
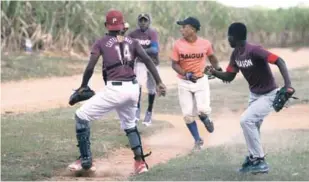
(81, 123)
(135, 143)
(189, 119)
(79, 114)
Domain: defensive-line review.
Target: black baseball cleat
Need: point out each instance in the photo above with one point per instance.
(208, 124)
(86, 162)
(259, 167)
(245, 167)
(254, 166)
(82, 164)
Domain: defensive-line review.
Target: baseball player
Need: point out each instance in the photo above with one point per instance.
(253, 62)
(148, 38)
(189, 61)
(126, 28)
(121, 91)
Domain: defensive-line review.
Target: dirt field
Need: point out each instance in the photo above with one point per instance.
(44, 94)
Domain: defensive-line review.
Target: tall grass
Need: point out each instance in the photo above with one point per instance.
(74, 25)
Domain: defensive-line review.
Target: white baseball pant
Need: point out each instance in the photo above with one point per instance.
(123, 98)
(142, 73)
(194, 98)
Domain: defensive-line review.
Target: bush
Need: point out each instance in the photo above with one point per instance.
(74, 25)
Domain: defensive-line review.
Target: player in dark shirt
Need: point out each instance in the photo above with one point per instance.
(253, 62)
(148, 38)
(121, 90)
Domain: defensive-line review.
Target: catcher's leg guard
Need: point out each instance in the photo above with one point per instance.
(136, 144)
(206, 121)
(83, 139)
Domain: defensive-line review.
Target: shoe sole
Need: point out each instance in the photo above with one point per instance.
(264, 171)
(142, 171)
(146, 123)
(81, 170)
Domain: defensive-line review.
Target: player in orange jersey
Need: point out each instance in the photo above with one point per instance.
(189, 61)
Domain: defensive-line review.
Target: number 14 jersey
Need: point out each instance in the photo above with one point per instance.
(118, 60)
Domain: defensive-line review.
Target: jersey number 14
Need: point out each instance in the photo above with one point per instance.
(126, 53)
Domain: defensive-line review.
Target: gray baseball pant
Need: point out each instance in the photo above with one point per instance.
(251, 120)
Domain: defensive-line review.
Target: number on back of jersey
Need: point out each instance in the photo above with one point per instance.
(126, 53)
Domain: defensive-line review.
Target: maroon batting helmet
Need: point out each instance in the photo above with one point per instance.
(114, 20)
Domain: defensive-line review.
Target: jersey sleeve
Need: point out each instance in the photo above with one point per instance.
(96, 50)
(261, 53)
(232, 67)
(154, 36)
(175, 53)
(154, 41)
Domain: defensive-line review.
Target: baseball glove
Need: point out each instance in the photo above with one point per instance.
(282, 96)
(190, 76)
(81, 94)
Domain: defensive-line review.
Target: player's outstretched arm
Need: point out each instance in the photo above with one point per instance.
(89, 69)
(214, 62)
(94, 57)
(225, 76)
(284, 72)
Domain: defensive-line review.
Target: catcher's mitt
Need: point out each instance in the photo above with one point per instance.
(282, 96)
(81, 94)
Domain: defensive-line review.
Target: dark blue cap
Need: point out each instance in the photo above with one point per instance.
(190, 21)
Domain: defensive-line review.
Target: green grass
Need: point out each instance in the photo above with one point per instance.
(35, 145)
(46, 140)
(288, 160)
(23, 66)
(235, 95)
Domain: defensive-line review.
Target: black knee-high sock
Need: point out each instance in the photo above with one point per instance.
(151, 98)
(139, 98)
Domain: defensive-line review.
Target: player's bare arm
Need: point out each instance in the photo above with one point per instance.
(284, 72)
(214, 62)
(177, 68)
(188, 75)
(225, 76)
(89, 69)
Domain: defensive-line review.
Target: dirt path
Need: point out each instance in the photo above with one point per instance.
(43, 94)
(178, 142)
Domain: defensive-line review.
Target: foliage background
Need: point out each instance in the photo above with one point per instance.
(74, 25)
